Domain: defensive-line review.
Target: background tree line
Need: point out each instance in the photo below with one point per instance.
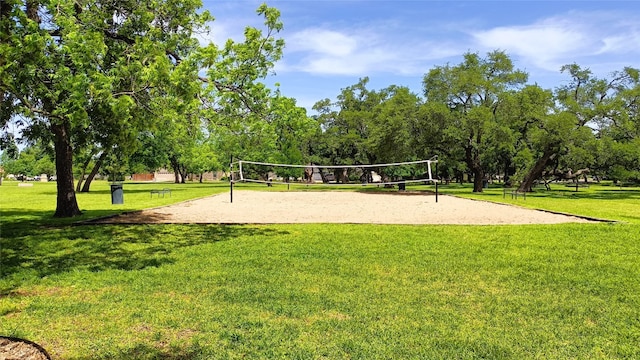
(482, 118)
(123, 87)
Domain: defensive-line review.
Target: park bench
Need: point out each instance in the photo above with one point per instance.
(514, 193)
(582, 185)
(161, 192)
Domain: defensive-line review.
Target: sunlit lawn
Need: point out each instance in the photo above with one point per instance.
(321, 290)
(34, 205)
(604, 201)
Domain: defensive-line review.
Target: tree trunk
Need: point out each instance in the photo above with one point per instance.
(184, 178)
(473, 162)
(66, 203)
(342, 176)
(183, 173)
(32, 10)
(94, 171)
(83, 171)
(478, 180)
(323, 176)
(308, 174)
(176, 169)
(536, 171)
(509, 170)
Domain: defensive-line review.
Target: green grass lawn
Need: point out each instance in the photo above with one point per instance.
(321, 290)
(599, 201)
(29, 207)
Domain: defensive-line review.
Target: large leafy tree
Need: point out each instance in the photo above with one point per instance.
(59, 59)
(618, 156)
(279, 133)
(517, 133)
(347, 125)
(391, 131)
(473, 90)
(293, 130)
(432, 135)
(367, 127)
(588, 109)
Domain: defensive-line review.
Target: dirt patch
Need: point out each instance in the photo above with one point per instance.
(270, 207)
(19, 349)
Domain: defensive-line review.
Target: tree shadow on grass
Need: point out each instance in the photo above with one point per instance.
(613, 194)
(145, 351)
(16, 222)
(43, 252)
(129, 190)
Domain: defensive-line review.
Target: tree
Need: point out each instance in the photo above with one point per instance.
(518, 130)
(619, 157)
(473, 91)
(587, 108)
(390, 134)
(293, 131)
(347, 126)
(61, 57)
(100, 139)
(431, 135)
(151, 154)
(32, 160)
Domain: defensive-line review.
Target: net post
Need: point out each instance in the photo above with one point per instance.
(231, 180)
(436, 180)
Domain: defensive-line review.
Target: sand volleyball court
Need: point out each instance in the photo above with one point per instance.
(271, 207)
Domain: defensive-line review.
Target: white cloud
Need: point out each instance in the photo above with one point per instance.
(324, 42)
(218, 34)
(621, 44)
(551, 42)
(358, 52)
(542, 44)
(401, 46)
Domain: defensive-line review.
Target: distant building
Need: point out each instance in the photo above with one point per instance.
(164, 175)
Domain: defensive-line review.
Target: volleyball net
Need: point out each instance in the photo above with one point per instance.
(389, 174)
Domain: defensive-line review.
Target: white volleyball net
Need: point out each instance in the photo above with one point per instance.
(419, 172)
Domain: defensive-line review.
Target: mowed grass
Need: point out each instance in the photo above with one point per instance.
(33, 206)
(324, 291)
(605, 201)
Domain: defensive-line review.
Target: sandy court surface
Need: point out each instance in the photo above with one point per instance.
(256, 207)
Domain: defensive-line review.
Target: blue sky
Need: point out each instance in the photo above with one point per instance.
(332, 44)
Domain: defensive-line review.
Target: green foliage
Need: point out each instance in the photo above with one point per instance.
(93, 81)
(31, 161)
(482, 119)
(475, 92)
(368, 127)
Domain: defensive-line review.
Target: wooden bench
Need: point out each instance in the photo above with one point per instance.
(514, 193)
(161, 192)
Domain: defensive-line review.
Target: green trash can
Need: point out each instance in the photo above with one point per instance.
(117, 194)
